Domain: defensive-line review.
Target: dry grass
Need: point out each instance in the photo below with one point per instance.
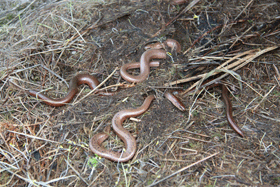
(45, 43)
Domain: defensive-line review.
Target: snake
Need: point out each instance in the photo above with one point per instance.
(231, 121)
(127, 138)
(82, 78)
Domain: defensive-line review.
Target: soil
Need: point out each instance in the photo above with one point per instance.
(44, 44)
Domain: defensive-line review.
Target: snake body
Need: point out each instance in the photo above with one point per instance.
(145, 60)
(77, 80)
(229, 116)
(127, 138)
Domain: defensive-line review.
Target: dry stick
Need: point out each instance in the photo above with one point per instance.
(4, 139)
(264, 97)
(202, 75)
(11, 178)
(79, 34)
(247, 59)
(215, 72)
(99, 85)
(277, 80)
(277, 72)
(18, 14)
(238, 37)
(246, 62)
(79, 175)
(34, 137)
(122, 85)
(138, 152)
(273, 119)
(243, 10)
(196, 139)
(198, 39)
(184, 168)
(91, 184)
(68, 41)
(207, 32)
(55, 74)
(60, 178)
(259, 53)
(28, 180)
(182, 12)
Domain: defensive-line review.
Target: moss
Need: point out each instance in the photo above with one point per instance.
(10, 16)
(6, 19)
(5, 177)
(276, 93)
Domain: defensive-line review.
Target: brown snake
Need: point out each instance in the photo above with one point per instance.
(79, 79)
(127, 138)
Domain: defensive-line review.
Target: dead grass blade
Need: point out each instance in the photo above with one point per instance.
(202, 75)
(190, 5)
(34, 137)
(183, 169)
(70, 165)
(92, 91)
(264, 97)
(225, 67)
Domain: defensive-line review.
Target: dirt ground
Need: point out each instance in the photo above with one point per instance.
(45, 43)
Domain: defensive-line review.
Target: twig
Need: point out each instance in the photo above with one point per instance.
(239, 37)
(27, 7)
(190, 5)
(97, 86)
(196, 139)
(85, 31)
(76, 172)
(28, 180)
(79, 34)
(204, 34)
(138, 152)
(35, 137)
(277, 72)
(264, 97)
(236, 65)
(202, 75)
(211, 30)
(55, 74)
(243, 9)
(184, 168)
(91, 184)
(273, 119)
(60, 178)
